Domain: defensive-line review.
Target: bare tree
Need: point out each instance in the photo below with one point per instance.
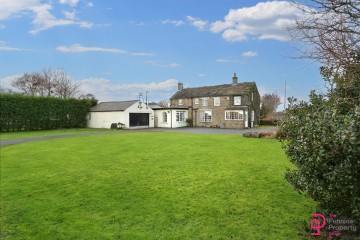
(64, 86)
(49, 82)
(164, 103)
(269, 104)
(329, 31)
(30, 84)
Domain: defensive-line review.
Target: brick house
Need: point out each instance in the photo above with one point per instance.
(235, 105)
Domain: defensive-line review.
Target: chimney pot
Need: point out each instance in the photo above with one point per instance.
(234, 79)
(180, 86)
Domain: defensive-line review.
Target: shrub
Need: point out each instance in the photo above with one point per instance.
(251, 134)
(189, 122)
(322, 139)
(267, 135)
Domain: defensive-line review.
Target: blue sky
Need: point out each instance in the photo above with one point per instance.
(117, 48)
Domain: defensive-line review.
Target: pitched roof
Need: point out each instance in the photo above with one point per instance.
(112, 106)
(213, 91)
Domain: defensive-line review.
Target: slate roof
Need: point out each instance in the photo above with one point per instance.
(153, 106)
(112, 106)
(213, 91)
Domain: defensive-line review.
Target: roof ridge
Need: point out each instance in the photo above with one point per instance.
(220, 85)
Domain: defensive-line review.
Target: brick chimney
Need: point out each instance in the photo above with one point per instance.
(180, 86)
(234, 79)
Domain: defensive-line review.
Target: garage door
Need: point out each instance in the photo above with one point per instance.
(139, 119)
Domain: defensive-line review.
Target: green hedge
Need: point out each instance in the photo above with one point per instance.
(267, 122)
(18, 113)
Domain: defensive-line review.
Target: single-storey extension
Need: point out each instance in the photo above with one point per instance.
(136, 114)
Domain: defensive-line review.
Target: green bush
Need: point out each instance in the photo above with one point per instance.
(322, 139)
(18, 112)
(189, 122)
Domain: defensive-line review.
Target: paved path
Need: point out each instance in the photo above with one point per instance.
(180, 130)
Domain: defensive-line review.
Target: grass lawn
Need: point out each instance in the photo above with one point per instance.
(149, 186)
(29, 134)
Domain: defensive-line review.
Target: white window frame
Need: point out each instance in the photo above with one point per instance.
(196, 100)
(204, 102)
(237, 100)
(180, 116)
(234, 115)
(206, 116)
(164, 117)
(253, 115)
(216, 101)
(180, 102)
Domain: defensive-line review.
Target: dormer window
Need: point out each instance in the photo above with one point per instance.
(237, 100)
(180, 102)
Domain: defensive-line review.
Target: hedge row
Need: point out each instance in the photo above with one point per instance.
(18, 113)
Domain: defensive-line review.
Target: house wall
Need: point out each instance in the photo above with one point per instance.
(104, 119)
(171, 118)
(249, 103)
(218, 112)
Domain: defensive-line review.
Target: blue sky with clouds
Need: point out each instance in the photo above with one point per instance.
(117, 48)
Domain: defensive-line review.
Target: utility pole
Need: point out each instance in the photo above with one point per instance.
(146, 99)
(285, 96)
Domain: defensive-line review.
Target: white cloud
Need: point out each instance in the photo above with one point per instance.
(70, 15)
(265, 20)
(198, 23)
(11, 7)
(4, 47)
(72, 3)
(42, 18)
(105, 90)
(167, 65)
(137, 23)
(224, 60)
(176, 23)
(249, 54)
(142, 54)
(201, 75)
(90, 4)
(77, 48)
(5, 82)
(45, 20)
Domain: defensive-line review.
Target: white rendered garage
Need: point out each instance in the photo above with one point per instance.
(127, 114)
